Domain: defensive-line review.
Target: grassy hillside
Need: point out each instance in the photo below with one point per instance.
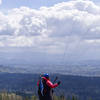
(13, 96)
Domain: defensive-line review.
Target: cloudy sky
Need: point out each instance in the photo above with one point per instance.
(49, 30)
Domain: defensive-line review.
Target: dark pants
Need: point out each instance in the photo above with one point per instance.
(46, 96)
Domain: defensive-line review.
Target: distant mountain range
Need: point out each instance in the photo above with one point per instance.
(82, 68)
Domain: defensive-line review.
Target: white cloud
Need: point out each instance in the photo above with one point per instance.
(0, 1)
(75, 24)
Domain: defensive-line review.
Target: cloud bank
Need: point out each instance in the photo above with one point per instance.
(72, 26)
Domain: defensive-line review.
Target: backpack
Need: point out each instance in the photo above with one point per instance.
(41, 86)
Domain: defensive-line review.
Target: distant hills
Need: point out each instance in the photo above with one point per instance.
(80, 78)
(26, 84)
(81, 68)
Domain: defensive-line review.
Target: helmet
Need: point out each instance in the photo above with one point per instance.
(46, 75)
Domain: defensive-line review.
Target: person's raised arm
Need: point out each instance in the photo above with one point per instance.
(51, 85)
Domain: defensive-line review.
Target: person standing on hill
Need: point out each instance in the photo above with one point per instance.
(45, 87)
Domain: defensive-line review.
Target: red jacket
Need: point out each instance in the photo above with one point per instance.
(49, 83)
